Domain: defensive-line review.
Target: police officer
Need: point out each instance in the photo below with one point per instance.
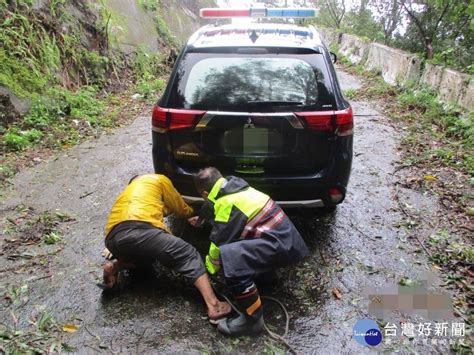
(250, 235)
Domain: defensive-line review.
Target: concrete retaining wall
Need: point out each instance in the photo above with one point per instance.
(354, 48)
(328, 37)
(401, 68)
(397, 67)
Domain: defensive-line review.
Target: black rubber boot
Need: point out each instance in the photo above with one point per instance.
(241, 325)
(250, 322)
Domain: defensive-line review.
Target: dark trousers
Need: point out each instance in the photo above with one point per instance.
(141, 243)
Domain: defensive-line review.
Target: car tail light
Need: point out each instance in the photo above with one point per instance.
(336, 195)
(344, 122)
(165, 119)
(158, 119)
(340, 122)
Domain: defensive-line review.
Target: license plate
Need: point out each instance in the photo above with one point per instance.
(247, 141)
(255, 141)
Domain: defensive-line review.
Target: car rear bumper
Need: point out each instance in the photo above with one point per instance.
(294, 192)
(286, 204)
(310, 190)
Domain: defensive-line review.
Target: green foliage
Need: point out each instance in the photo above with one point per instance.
(37, 51)
(149, 5)
(363, 24)
(147, 69)
(150, 87)
(163, 30)
(14, 139)
(28, 56)
(52, 238)
(58, 103)
(45, 322)
(17, 295)
(331, 14)
(97, 67)
(161, 25)
(444, 122)
(379, 88)
(456, 56)
(57, 110)
(450, 250)
(350, 93)
(426, 102)
(446, 26)
(43, 336)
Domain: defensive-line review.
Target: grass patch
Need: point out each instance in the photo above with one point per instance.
(429, 119)
(350, 93)
(149, 70)
(57, 118)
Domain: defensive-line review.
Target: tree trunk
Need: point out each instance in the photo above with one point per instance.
(363, 6)
(429, 48)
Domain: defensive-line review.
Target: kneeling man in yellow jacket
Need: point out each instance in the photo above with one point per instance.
(136, 234)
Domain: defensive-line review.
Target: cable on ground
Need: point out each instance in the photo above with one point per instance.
(273, 335)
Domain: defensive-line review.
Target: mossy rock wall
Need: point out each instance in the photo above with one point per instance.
(153, 25)
(183, 17)
(131, 26)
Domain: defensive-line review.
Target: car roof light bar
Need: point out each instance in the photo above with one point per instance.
(291, 12)
(257, 12)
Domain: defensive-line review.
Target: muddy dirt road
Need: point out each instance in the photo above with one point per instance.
(362, 245)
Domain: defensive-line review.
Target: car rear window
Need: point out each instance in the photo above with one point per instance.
(232, 82)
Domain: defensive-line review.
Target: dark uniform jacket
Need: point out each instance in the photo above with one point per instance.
(253, 233)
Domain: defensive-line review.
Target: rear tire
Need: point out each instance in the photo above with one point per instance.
(329, 209)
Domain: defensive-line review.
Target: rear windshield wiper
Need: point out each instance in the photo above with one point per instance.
(275, 103)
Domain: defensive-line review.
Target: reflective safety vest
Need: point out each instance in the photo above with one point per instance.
(248, 201)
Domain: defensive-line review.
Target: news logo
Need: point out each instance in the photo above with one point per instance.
(367, 333)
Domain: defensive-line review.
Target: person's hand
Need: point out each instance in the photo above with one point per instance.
(196, 221)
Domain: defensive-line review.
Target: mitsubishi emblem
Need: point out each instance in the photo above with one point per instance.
(249, 123)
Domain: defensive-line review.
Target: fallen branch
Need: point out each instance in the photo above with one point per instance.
(470, 229)
(322, 257)
(361, 233)
(94, 335)
(87, 194)
(40, 278)
(14, 268)
(140, 339)
(401, 167)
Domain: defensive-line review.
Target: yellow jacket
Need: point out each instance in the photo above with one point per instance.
(148, 198)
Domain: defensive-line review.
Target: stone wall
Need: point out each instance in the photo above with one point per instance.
(402, 68)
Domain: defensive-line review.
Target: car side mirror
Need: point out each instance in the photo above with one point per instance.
(333, 57)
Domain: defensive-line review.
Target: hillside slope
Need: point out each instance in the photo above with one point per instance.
(68, 68)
